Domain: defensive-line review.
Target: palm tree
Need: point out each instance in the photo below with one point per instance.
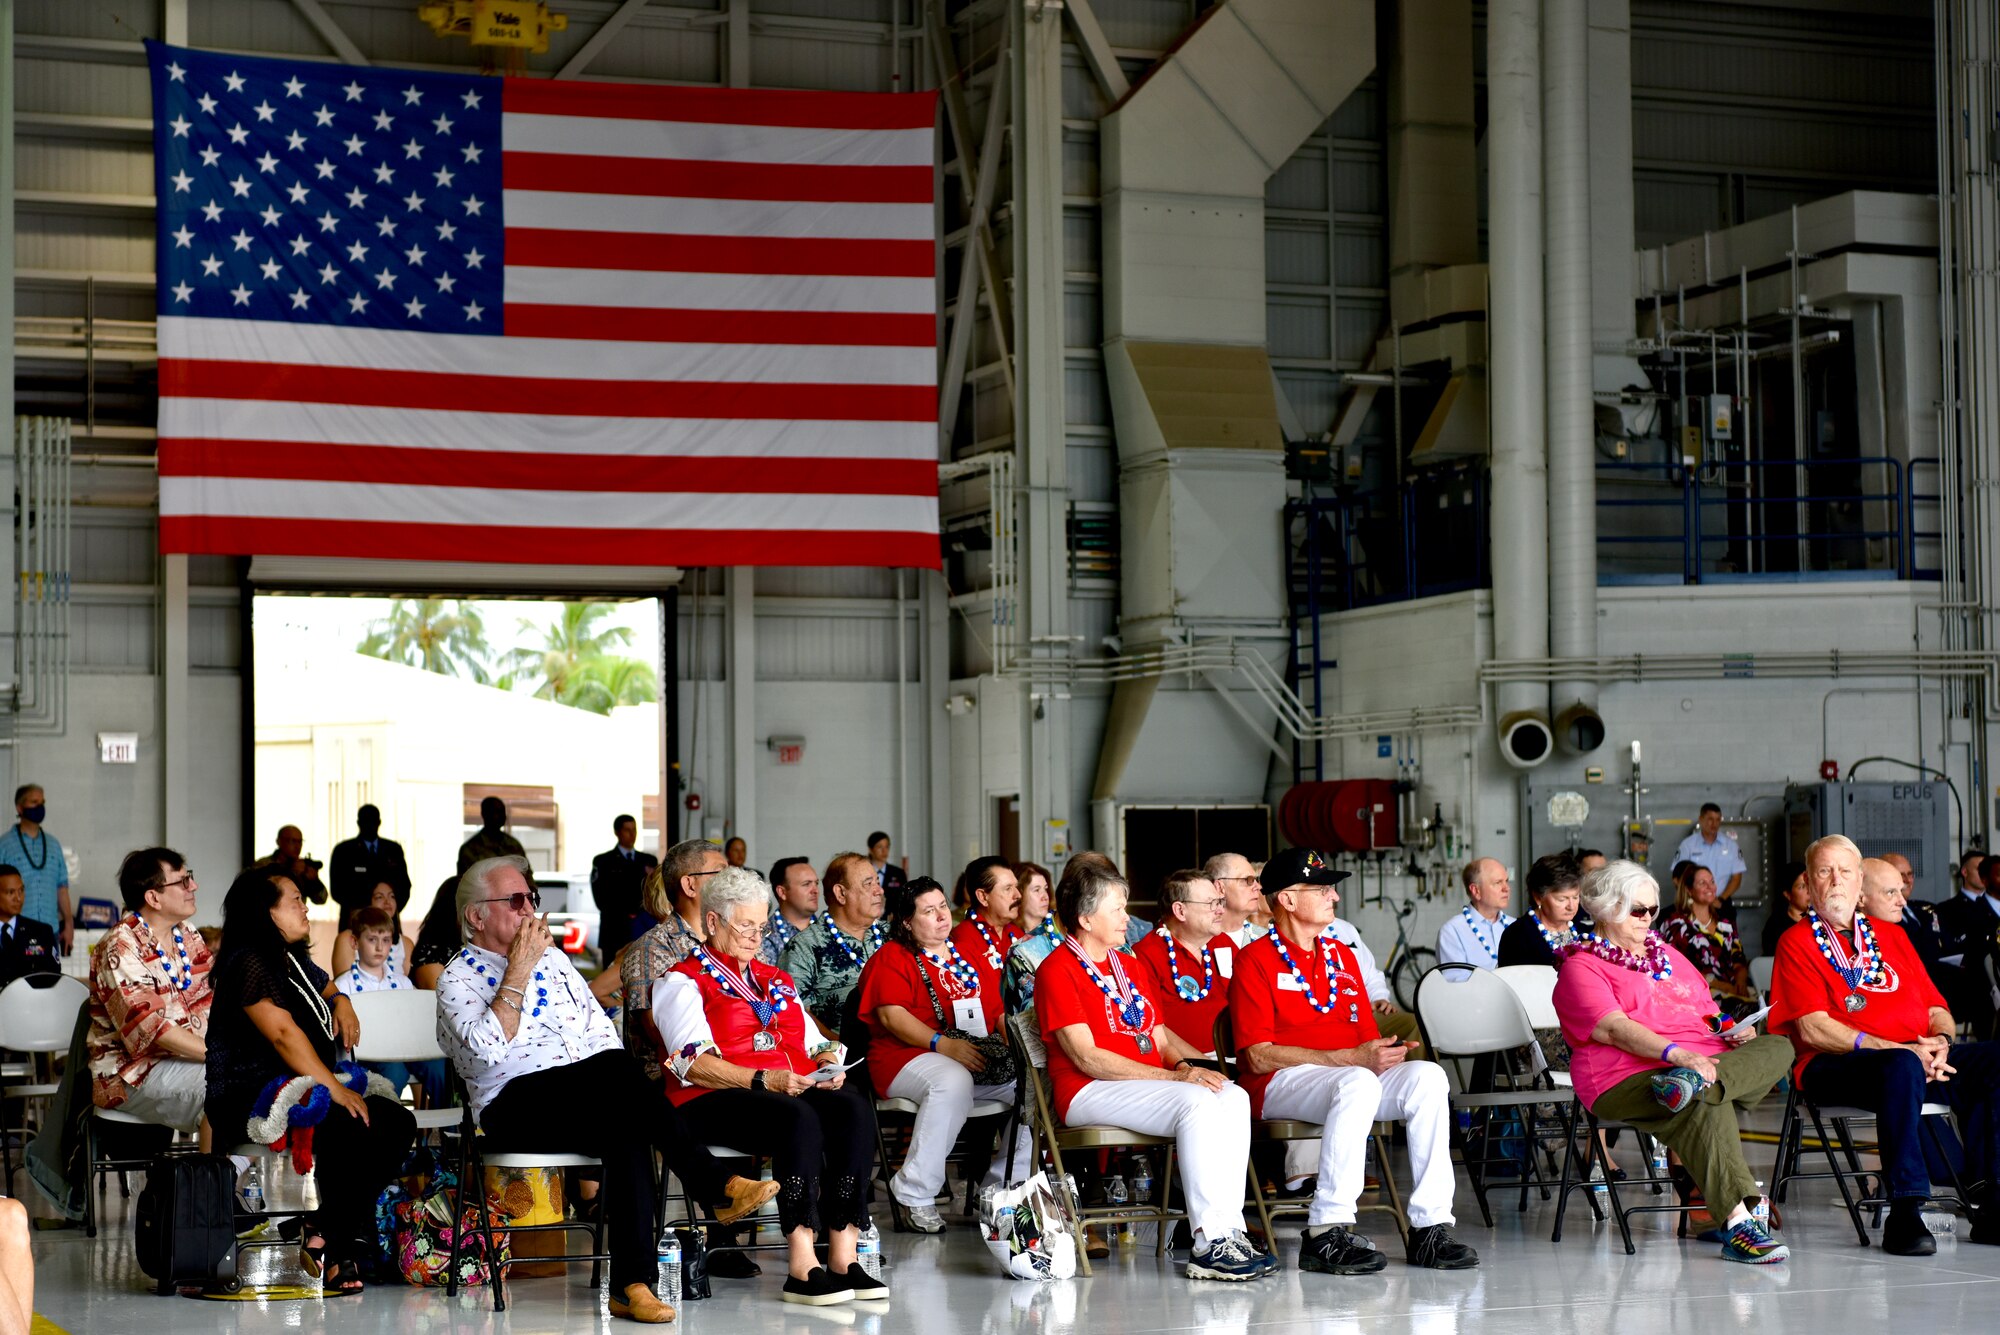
(602, 684)
(576, 665)
(448, 638)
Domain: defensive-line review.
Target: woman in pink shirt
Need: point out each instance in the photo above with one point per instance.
(1637, 1014)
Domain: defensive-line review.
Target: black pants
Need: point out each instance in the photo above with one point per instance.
(1890, 1083)
(604, 1107)
(822, 1142)
(352, 1163)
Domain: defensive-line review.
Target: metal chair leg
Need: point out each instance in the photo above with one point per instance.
(1389, 1187)
(1826, 1145)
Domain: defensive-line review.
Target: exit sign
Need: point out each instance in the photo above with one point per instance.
(118, 748)
(791, 753)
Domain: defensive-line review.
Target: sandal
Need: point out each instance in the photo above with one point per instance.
(312, 1259)
(343, 1280)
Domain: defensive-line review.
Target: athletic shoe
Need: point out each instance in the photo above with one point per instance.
(1677, 1088)
(818, 1289)
(1267, 1261)
(1339, 1252)
(919, 1218)
(1747, 1242)
(1231, 1258)
(865, 1287)
(1434, 1248)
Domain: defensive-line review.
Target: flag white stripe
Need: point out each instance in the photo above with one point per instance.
(270, 341)
(259, 498)
(535, 433)
(568, 211)
(692, 141)
(722, 291)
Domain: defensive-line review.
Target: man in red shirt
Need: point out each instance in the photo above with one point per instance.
(1873, 1032)
(1310, 1051)
(1188, 961)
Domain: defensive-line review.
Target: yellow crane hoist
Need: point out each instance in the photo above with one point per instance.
(523, 27)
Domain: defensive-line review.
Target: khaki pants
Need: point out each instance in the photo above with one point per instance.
(1704, 1133)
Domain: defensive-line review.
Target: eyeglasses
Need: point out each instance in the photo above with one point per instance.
(186, 879)
(1206, 903)
(1643, 910)
(520, 901)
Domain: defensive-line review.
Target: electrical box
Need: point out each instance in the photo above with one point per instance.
(1912, 818)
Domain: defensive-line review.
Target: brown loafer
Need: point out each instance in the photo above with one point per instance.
(643, 1305)
(745, 1195)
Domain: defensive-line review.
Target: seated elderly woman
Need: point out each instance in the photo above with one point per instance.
(1638, 1015)
(1113, 1062)
(924, 1003)
(149, 998)
(275, 1029)
(750, 1069)
(1551, 922)
(1698, 929)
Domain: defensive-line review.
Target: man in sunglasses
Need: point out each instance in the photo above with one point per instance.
(545, 1071)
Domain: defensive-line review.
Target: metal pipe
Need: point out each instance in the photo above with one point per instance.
(902, 718)
(1519, 468)
(1572, 425)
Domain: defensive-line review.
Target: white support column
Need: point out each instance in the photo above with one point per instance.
(738, 44)
(174, 738)
(174, 22)
(1041, 440)
(740, 617)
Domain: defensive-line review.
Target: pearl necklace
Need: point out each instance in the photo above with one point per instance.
(840, 938)
(1130, 1001)
(1186, 986)
(958, 967)
(1867, 963)
(1655, 962)
(1326, 944)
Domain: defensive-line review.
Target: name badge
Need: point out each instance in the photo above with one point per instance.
(1225, 963)
(969, 1015)
(1287, 983)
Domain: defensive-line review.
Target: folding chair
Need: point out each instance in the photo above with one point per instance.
(99, 1166)
(1056, 1137)
(1791, 1145)
(1761, 970)
(38, 1015)
(1480, 1016)
(401, 1026)
(1286, 1130)
(983, 1110)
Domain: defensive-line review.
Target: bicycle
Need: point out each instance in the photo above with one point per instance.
(1407, 963)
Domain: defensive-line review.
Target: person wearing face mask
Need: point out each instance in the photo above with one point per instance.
(38, 855)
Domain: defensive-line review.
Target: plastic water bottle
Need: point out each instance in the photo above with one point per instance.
(1762, 1214)
(1941, 1222)
(868, 1250)
(1660, 1168)
(1142, 1180)
(253, 1191)
(668, 1283)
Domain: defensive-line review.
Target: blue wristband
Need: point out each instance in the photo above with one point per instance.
(934, 1041)
(1857, 1042)
(1668, 1048)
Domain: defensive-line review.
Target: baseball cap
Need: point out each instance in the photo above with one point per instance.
(1298, 866)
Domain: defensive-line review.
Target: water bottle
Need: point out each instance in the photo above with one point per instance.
(1660, 1168)
(253, 1191)
(1142, 1180)
(868, 1250)
(1762, 1214)
(668, 1283)
(1941, 1222)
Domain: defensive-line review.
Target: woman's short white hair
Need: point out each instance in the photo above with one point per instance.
(731, 888)
(1608, 892)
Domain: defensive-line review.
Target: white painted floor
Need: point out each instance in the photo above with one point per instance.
(948, 1286)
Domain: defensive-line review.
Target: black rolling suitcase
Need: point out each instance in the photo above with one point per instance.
(184, 1226)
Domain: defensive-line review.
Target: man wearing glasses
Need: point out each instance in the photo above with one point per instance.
(1242, 896)
(1310, 1050)
(1188, 960)
(826, 957)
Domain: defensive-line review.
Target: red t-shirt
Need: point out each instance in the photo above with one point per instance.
(733, 1025)
(1266, 1005)
(892, 979)
(1065, 995)
(1803, 983)
(985, 948)
(1192, 1021)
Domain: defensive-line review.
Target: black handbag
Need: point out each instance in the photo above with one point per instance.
(1000, 1066)
(694, 1264)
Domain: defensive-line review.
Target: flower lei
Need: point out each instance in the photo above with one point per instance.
(1326, 944)
(1654, 963)
(1867, 966)
(1187, 987)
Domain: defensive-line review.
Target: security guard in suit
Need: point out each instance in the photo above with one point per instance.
(360, 864)
(26, 946)
(617, 884)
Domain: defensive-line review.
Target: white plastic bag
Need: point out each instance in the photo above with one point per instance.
(1027, 1232)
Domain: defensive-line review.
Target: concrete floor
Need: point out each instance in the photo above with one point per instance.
(948, 1286)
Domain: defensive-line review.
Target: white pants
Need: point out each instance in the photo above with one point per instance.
(1211, 1131)
(1347, 1101)
(943, 1091)
(172, 1094)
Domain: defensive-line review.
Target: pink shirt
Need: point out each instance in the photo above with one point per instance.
(1588, 989)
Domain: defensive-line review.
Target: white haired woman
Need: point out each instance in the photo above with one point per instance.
(750, 1069)
(1643, 1049)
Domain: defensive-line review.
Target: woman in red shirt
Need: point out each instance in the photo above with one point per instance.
(749, 1069)
(1114, 1063)
(992, 900)
(914, 990)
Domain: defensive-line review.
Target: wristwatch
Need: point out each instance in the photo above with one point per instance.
(757, 1079)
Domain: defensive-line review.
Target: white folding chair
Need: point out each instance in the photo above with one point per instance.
(1534, 987)
(401, 1026)
(37, 1017)
(1761, 970)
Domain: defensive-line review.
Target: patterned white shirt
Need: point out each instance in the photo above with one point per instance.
(1372, 977)
(570, 1026)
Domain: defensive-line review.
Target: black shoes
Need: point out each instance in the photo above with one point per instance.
(1434, 1248)
(1339, 1252)
(821, 1288)
(732, 1264)
(1904, 1233)
(866, 1288)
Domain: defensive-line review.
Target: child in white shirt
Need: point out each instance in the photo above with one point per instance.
(371, 971)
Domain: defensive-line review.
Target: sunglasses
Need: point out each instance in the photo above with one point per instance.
(1644, 910)
(520, 901)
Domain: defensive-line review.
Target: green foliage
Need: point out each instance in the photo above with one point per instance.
(446, 637)
(577, 662)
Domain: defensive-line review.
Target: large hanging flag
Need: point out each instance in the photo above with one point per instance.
(450, 317)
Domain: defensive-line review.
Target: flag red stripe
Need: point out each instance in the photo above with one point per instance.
(405, 466)
(590, 174)
(722, 106)
(369, 387)
(647, 325)
(287, 536)
(665, 252)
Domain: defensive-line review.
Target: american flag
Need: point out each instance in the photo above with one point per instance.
(450, 317)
